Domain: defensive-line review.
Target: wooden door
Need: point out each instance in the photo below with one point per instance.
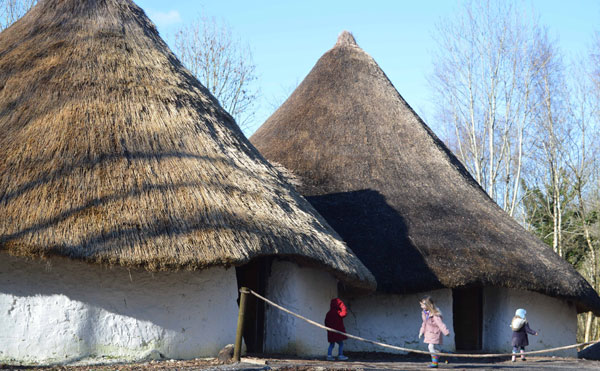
(254, 276)
(467, 308)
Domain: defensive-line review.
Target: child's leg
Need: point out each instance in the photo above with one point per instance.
(340, 348)
(341, 355)
(434, 357)
(331, 345)
(514, 352)
(522, 355)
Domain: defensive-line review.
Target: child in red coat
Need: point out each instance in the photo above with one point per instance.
(335, 320)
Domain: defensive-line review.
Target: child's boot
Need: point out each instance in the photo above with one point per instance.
(522, 355)
(434, 361)
(514, 357)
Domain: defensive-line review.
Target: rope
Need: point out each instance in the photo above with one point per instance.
(410, 349)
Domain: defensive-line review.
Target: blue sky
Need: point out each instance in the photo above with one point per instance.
(288, 37)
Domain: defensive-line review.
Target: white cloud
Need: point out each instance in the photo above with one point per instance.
(165, 19)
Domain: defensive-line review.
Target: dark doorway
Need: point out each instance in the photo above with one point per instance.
(467, 308)
(254, 276)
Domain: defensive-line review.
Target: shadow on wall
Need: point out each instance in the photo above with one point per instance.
(171, 300)
(378, 235)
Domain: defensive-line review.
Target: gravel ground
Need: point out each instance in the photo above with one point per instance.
(356, 362)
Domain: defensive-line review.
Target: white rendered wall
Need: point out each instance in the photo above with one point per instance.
(394, 320)
(554, 319)
(305, 291)
(59, 310)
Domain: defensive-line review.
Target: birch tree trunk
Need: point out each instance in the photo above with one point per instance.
(553, 130)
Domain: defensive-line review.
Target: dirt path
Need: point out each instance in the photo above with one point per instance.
(453, 364)
(356, 362)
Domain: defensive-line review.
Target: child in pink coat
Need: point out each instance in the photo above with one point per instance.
(433, 327)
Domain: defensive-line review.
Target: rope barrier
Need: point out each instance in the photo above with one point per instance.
(394, 347)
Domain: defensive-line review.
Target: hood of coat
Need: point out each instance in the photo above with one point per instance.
(517, 323)
(335, 304)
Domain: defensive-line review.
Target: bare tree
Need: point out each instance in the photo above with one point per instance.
(221, 63)
(595, 61)
(585, 164)
(581, 160)
(483, 79)
(277, 99)
(553, 128)
(595, 77)
(11, 10)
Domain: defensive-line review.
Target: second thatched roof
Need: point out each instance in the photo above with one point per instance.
(112, 152)
(396, 194)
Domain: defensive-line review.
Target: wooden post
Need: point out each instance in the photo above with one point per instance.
(237, 350)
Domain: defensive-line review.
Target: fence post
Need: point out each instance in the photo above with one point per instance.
(237, 350)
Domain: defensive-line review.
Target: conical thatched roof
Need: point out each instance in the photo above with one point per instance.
(400, 199)
(112, 152)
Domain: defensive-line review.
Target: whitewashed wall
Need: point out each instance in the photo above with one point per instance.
(394, 320)
(554, 319)
(306, 291)
(61, 310)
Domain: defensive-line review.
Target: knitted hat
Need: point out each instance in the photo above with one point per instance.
(521, 312)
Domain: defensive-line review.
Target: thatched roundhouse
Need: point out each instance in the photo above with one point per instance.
(141, 194)
(414, 216)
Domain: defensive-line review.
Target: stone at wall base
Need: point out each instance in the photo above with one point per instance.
(153, 355)
(226, 354)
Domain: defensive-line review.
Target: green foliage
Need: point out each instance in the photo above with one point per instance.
(538, 212)
(538, 204)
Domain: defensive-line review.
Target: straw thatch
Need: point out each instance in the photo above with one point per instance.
(395, 193)
(112, 152)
